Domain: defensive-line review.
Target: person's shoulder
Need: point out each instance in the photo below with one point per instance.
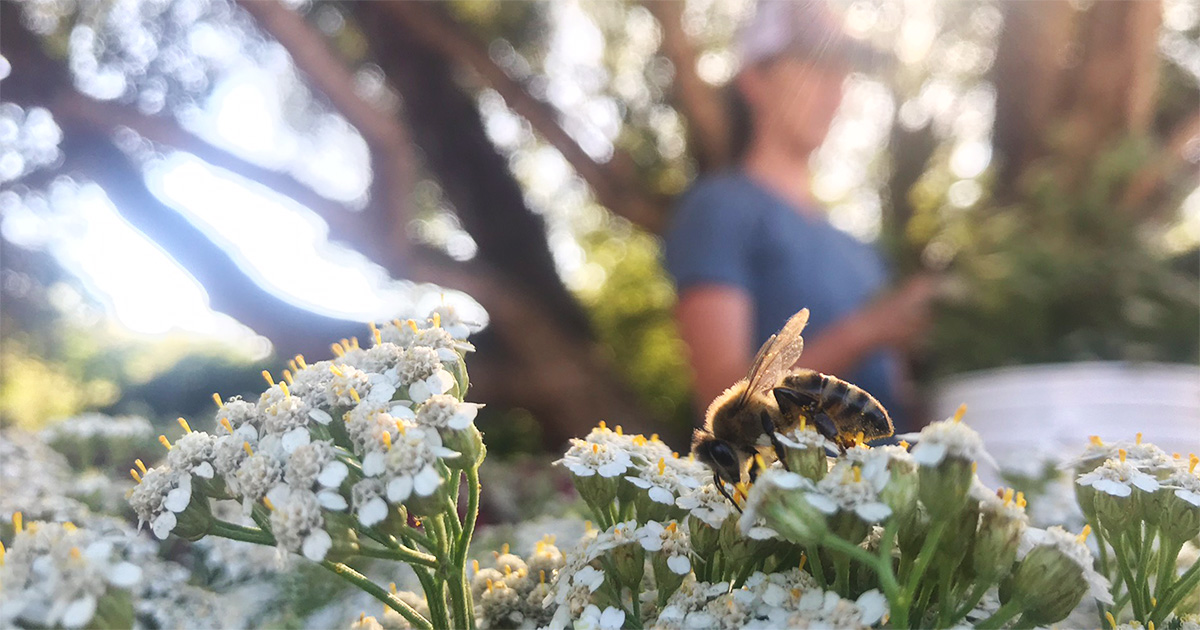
(721, 185)
(721, 198)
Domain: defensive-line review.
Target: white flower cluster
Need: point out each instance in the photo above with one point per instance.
(35, 479)
(775, 600)
(948, 438)
(363, 432)
(57, 574)
(99, 426)
(512, 591)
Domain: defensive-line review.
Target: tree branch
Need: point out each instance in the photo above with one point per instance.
(384, 133)
(615, 183)
(165, 131)
(702, 105)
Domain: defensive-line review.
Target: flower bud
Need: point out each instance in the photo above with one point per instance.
(193, 522)
(705, 539)
(1180, 517)
(1047, 584)
(468, 443)
(900, 493)
(943, 487)
(804, 452)
(996, 545)
(629, 561)
(781, 500)
(666, 580)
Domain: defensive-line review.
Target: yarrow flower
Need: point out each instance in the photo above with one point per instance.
(948, 438)
(409, 464)
(671, 541)
(162, 494)
(1118, 477)
(1069, 547)
(586, 458)
(57, 575)
(298, 525)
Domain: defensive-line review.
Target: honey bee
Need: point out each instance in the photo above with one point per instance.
(742, 421)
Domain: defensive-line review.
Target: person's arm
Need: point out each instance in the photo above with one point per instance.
(717, 324)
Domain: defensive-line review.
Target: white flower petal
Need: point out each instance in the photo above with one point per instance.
(399, 489)
(447, 355)
(381, 392)
(163, 524)
(124, 574)
(821, 502)
(441, 382)
(463, 416)
(1115, 488)
(79, 612)
(295, 439)
(178, 499)
(662, 495)
(873, 512)
(331, 500)
(1189, 496)
(871, 605)
(427, 481)
(929, 453)
(680, 565)
(402, 411)
(612, 618)
(374, 463)
(204, 470)
(373, 511)
(333, 474)
(320, 416)
(317, 545)
(419, 392)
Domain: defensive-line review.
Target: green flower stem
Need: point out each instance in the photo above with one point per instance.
(421, 539)
(841, 571)
(1139, 609)
(464, 539)
(818, 570)
(1144, 560)
(972, 600)
(946, 599)
(403, 554)
(925, 556)
(1168, 552)
(373, 589)
(1001, 616)
(237, 532)
(433, 595)
(1176, 593)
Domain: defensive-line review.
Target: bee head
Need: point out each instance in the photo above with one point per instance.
(719, 455)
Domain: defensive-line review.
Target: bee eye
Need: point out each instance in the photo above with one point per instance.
(723, 455)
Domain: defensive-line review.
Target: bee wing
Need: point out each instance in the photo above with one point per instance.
(777, 355)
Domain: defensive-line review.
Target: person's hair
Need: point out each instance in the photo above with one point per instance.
(741, 124)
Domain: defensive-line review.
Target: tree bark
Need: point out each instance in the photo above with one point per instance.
(615, 183)
(1073, 82)
(702, 105)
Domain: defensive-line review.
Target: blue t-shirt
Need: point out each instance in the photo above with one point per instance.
(730, 230)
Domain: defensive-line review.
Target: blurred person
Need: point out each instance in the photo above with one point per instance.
(751, 246)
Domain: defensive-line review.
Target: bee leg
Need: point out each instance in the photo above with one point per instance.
(721, 488)
(769, 429)
(827, 428)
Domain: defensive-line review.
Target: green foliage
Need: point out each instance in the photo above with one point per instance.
(1066, 275)
(631, 310)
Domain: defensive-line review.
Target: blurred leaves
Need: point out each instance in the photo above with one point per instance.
(1065, 275)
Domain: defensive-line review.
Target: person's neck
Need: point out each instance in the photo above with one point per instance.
(782, 172)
